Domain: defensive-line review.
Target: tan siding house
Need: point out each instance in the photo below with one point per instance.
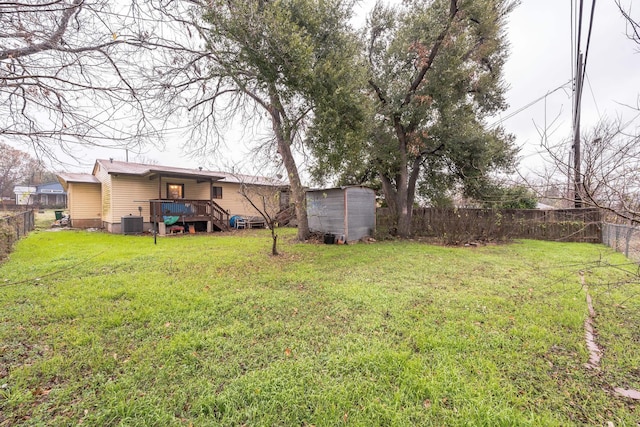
(84, 199)
(159, 196)
(127, 194)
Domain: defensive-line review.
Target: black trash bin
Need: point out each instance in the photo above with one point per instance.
(329, 239)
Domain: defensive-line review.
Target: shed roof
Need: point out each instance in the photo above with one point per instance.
(84, 178)
(344, 187)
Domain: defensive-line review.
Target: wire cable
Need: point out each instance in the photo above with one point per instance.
(530, 104)
(593, 96)
(586, 51)
(577, 59)
(572, 36)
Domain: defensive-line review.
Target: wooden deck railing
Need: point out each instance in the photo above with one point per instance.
(189, 210)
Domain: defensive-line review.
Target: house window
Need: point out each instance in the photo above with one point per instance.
(284, 199)
(216, 193)
(175, 191)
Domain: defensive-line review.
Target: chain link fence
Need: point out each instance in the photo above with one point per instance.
(622, 238)
(12, 228)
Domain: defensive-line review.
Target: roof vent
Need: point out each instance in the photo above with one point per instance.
(111, 159)
(200, 167)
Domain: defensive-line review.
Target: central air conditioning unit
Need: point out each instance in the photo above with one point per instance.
(132, 224)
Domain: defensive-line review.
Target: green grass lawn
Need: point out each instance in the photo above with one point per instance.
(45, 218)
(199, 330)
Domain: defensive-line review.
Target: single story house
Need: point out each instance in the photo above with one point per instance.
(48, 195)
(160, 196)
(25, 194)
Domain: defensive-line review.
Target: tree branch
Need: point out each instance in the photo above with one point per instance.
(453, 11)
(52, 42)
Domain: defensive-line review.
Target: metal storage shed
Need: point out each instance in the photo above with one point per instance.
(347, 213)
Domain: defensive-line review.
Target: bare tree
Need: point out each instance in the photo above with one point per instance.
(633, 24)
(119, 73)
(66, 75)
(610, 170)
(16, 168)
(265, 200)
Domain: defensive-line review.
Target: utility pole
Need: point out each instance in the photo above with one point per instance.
(577, 179)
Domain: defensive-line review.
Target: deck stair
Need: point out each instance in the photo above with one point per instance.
(188, 210)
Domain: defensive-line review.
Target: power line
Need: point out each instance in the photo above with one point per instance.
(593, 96)
(572, 36)
(581, 62)
(530, 104)
(577, 64)
(586, 51)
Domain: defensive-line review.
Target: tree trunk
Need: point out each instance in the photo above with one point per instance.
(404, 214)
(404, 198)
(400, 202)
(297, 190)
(400, 197)
(274, 243)
(283, 139)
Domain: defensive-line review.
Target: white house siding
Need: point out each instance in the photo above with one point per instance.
(24, 195)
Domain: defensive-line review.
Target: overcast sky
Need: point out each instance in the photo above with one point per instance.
(539, 62)
(539, 32)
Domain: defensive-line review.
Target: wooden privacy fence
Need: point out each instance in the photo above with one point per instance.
(465, 225)
(14, 227)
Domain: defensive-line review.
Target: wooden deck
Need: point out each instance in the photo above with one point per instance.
(189, 211)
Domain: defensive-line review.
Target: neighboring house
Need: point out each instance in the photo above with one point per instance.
(25, 194)
(160, 195)
(50, 195)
